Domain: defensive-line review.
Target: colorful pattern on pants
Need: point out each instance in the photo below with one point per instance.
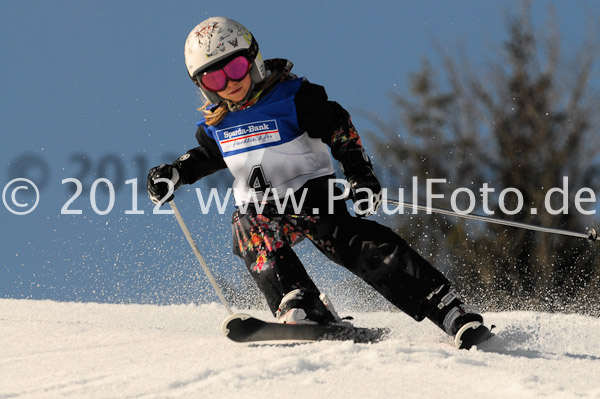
(371, 251)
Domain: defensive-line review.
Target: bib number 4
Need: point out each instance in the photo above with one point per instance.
(257, 180)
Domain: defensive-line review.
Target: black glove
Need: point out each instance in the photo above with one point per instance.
(366, 193)
(365, 188)
(158, 190)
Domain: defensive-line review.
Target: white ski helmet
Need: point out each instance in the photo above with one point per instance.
(213, 42)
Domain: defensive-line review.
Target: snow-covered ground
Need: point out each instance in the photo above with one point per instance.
(85, 350)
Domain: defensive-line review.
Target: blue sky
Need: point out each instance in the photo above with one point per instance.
(91, 89)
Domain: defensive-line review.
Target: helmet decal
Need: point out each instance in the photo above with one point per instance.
(211, 37)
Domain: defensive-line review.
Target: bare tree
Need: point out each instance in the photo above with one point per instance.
(526, 122)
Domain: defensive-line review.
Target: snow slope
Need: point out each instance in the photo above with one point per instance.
(86, 350)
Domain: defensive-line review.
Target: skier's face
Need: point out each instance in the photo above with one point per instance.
(236, 91)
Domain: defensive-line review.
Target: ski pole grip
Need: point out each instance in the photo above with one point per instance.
(592, 235)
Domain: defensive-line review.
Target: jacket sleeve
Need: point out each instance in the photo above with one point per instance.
(200, 161)
(326, 120)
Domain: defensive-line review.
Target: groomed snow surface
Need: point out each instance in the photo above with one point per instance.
(86, 350)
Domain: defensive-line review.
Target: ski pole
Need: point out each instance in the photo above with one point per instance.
(192, 243)
(591, 235)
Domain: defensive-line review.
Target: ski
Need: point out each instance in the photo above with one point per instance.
(245, 328)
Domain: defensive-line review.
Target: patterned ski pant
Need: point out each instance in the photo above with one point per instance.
(371, 251)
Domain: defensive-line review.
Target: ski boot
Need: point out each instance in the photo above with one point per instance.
(302, 307)
(456, 318)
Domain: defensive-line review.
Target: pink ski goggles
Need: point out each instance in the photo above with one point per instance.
(216, 80)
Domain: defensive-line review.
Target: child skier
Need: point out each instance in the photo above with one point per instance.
(275, 133)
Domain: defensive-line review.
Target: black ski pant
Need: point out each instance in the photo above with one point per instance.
(368, 249)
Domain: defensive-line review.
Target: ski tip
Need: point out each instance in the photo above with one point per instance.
(471, 334)
(235, 316)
